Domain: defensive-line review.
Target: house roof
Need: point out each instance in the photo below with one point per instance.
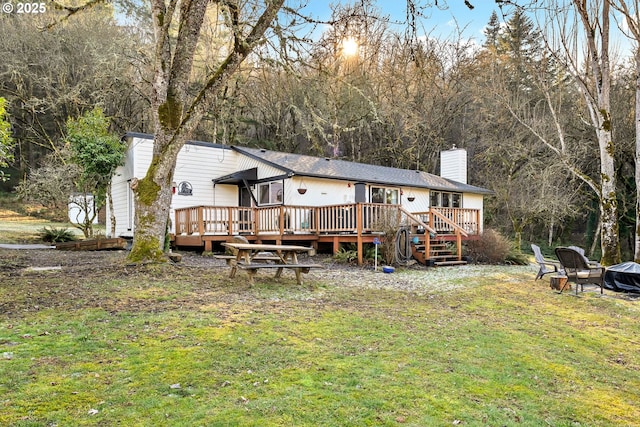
(319, 167)
(310, 166)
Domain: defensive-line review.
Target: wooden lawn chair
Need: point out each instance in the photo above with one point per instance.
(581, 252)
(578, 270)
(546, 265)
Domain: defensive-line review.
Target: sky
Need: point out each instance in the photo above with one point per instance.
(441, 22)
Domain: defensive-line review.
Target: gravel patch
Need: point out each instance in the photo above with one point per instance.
(420, 280)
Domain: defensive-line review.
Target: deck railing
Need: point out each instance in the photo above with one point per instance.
(342, 218)
(448, 220)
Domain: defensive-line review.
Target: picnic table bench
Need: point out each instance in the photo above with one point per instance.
(283, 256)
(231, 259)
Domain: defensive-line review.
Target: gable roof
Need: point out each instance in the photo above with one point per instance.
(310, 166)
(319, 167)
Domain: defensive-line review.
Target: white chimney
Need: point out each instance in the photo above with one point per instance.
(453, 164)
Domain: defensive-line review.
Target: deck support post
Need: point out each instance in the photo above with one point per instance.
(427, 245)
(359, 231)
(230, 221)
(200, 220)
(316, 221)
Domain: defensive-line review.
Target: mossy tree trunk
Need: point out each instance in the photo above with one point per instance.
(179, 102)
(609, 232)
(592, 77)
(636, 256)
(597, 93)
(629, 10)
(152, 204)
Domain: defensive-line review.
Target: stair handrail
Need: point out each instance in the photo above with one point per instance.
(446, 220)
(417, 220)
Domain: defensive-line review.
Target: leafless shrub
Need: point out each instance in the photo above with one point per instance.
(491, 248)
(387, 223)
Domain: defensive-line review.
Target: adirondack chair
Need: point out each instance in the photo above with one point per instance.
(578, 270)
(581, 252)
(546, 265)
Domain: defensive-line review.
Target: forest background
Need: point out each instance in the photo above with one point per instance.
(404, 97)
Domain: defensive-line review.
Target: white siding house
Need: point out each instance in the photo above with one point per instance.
(210, 174)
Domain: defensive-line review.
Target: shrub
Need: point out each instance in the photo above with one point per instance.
(347, 255)
(56, 235)
(493, 248)
(388, 223)
(515, 257)
(370, 253)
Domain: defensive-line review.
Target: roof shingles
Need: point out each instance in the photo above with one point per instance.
(299, 164)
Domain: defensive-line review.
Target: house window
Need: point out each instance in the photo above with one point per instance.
(443, 199)
(388, 196)
(271, 193)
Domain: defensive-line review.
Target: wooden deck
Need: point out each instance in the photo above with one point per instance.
(358, 223)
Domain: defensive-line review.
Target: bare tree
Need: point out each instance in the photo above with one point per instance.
(49, 75)
(577, 34)
(176, 110)
(630, 10)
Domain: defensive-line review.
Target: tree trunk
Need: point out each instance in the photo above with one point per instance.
(111, 212)
(599, 102)
(153, 201)
(609, 238)
(630, 13)
(636, 256)
(176, 111)
(592, 249)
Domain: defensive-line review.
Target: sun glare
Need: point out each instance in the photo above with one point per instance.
(350, 47)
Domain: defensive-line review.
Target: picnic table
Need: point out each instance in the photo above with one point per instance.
(251, 257)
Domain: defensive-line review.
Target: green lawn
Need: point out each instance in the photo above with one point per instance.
(17, 228)
(167, 346)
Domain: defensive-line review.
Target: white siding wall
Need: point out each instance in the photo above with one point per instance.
(321, 192)
(421, 202)
(474, 201)
(453, 165)
(264, 171)
(122, 196)
(196, 164)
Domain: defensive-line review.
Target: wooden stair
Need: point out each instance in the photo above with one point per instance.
(440, 252)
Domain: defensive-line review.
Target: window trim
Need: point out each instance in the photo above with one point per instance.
(269, 185)
(385, 191)
(451, 195)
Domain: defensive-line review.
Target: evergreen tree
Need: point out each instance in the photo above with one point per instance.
(6, 141)
(492, 32)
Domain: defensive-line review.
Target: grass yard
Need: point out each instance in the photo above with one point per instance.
(18, 228)
(99, 343)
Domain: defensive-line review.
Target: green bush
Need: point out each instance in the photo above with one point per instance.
(56, 235)
(346, 254)
(515, 257)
